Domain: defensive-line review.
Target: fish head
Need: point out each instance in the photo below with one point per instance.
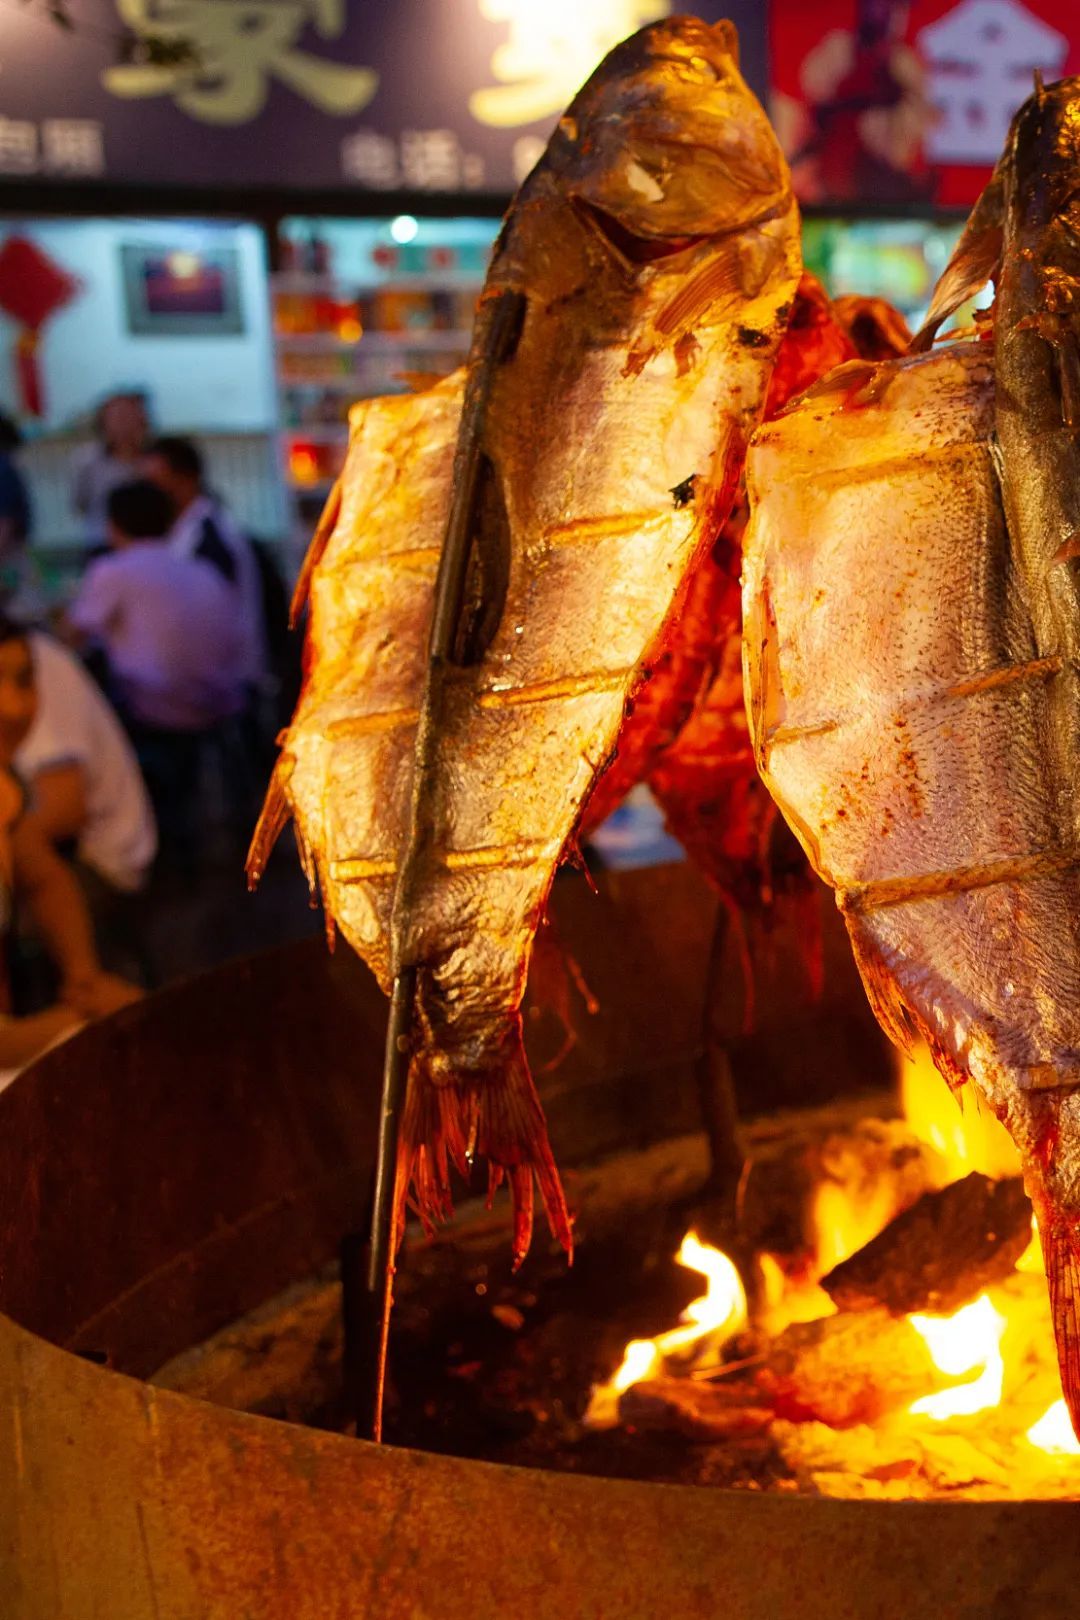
(667, 141)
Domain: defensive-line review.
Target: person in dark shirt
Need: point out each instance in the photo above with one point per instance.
(14, 500)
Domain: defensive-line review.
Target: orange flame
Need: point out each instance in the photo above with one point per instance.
(716, 1316)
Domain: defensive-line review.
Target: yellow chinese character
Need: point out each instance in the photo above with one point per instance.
(553, 47)
(238, 45)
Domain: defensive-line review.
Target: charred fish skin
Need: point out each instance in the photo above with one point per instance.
(1037, 356)
(900, 707)
(658, 228)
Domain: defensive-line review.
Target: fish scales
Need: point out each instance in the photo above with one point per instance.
(657, 230)
(899, 708)
(1037, 419)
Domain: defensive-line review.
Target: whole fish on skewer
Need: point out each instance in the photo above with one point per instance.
(622, 351)
(911, 642)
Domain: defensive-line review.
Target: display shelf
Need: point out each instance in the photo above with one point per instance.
(339, 339)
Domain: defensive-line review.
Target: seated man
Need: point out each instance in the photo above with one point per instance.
(170, 632)
(32, 873)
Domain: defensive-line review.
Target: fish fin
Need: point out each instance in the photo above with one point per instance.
(1061, 1252)
(976, 260)
(881, 988)
(313, 556)
(494, 1115)
(726, 278)
(272, 818)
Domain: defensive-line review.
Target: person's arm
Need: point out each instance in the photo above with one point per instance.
(97, 606)
(59, 799)
(52, 892)
(22, 1039)
(63, 920)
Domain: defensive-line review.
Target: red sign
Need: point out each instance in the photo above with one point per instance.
(908, 101)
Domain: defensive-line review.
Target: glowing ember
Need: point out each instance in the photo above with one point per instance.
(716, 1316)
(1053, 1432)
(968, 1340)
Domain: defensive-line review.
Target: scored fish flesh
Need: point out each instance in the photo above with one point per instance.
(622, 350)
(900, 707)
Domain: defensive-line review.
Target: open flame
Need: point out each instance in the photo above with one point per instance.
(1053, 1433)
(962, 1132)
(997, 1350)
(966, 1342)
(716, 1317)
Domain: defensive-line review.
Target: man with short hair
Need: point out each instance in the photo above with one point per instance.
(203, 529)
(169, 630)
(166, 623)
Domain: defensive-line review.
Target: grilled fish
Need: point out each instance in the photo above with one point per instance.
(911, 660)
(911, 622)
(623, 345)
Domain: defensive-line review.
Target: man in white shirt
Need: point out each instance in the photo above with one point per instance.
(204, 529)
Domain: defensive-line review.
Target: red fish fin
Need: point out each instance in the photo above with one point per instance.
(313, 556)
(1061, 1252)
(975, 261)
(495, 1116)
(885, 1000)
(272, 819)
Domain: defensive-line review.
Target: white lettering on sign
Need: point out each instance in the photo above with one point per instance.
(239, 46)
(18, 146)
(552, 48)
(72, 146)
(981, 59)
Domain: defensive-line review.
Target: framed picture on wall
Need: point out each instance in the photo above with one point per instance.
(182, 292)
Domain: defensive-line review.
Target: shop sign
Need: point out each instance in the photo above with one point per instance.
(908, 102)
(376, 95)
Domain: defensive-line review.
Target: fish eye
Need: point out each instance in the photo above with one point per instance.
(704, 68)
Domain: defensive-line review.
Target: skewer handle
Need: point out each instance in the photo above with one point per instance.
(379, 1278)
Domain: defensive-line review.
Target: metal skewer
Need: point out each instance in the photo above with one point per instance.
(371, 1338)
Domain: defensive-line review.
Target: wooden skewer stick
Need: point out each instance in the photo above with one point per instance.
(502, 327)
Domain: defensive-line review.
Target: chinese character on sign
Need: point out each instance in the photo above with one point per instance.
(73, 146)
(431, 159)
(552, 48)
(982, 56)
(370, 159)
(239, 46)
(18, 146)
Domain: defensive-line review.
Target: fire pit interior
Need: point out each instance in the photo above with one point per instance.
(922, 1368)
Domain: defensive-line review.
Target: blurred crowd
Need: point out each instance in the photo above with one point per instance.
(167, 669)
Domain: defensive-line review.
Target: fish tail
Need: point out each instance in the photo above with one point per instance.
(494, 1115)
(1061, 1253)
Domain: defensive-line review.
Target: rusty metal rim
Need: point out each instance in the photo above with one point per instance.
(178, 1509)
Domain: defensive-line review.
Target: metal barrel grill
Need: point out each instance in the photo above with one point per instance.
(168, 1170)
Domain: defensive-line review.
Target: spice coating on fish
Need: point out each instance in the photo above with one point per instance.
(647, 263)
(900, 704)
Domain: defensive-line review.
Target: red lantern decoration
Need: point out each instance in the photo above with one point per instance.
(32, 287)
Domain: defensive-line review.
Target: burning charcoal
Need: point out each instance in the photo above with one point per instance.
(870, 1170)
(941, 1252)
(846, 1369)
(696, 1410)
